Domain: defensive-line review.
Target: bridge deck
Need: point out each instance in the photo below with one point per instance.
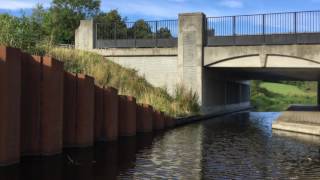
(274, 39)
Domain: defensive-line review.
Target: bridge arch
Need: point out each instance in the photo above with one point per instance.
(271, 56)
(265, 61)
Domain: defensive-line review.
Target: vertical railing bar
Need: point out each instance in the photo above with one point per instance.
(96, 42)
(134, 36)
(234, 29)
(234, 25)
(295, 23)
(156, 33)
(263, 24)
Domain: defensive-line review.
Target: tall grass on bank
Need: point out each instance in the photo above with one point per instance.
(107, 73)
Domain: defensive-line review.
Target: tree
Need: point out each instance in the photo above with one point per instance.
(164, 33)
(141, 30)
(211, 32)
(9, 30)
(255, 87)
(17, 32)
(111, 24)
(65, 16)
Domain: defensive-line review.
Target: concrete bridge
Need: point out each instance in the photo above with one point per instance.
(216, 57)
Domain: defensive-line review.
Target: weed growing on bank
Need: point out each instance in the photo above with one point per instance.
(108, 73)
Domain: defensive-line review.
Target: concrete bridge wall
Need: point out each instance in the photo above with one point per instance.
(157, 65)
(184, 65)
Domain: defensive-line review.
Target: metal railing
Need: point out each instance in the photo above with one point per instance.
(137, 34)
(273, 28)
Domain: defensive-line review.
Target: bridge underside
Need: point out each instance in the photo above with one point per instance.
(239, 64)
(268, 74)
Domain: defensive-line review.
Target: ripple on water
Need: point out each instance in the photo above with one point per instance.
(234, 147)
(242, 146)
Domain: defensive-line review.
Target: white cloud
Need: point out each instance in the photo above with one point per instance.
(232, 3)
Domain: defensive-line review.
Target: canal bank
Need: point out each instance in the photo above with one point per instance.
(192, 119)
(299, 119)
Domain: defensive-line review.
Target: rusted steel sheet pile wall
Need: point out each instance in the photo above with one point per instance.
(44, 109)
(41, 105)
(79, 110)
(10, 84)
(127, 116)
(144, 118)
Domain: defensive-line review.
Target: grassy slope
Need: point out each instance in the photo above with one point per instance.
(277, 97)
(107, 73)
(286, 89)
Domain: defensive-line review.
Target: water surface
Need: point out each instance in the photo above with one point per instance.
(241, 146)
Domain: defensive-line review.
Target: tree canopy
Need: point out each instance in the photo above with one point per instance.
(65, 16)
(57, 25)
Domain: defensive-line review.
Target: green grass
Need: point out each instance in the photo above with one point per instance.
(278, 97)
(106, 73)
(286, 89)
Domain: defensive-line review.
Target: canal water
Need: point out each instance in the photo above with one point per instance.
(241, 146)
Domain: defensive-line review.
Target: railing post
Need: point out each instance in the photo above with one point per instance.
(234, 25)
(295, 26)
(96, 37)
(263, 24)
(234, 29)
(264, 28)
(115, 34)
(135, 38)
(156, 37)
(295, 22)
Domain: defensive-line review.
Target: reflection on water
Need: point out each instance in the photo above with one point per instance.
(242, 146)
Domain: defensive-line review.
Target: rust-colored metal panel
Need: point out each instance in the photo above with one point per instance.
(51, 106)
(111, 118)
(144, 118)
(140, 117)
(30, 104)
(85, 111)
(98, 113)
(127, 116)
(169, 122)
(166, 121)
(173, 121)
(69, 109)
(10, 92)
(158, 123)
(162, 120)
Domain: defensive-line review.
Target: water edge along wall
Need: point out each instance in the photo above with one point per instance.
(44, 109)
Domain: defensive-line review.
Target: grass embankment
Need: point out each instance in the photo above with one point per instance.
(278, 97)
(127, 81)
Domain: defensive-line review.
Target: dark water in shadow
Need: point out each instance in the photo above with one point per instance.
(235, 147)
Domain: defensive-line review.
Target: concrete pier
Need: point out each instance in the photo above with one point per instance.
(299, 119)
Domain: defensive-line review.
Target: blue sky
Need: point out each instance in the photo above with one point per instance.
(169, 9)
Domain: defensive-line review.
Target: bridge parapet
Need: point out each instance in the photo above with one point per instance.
(270, 29)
